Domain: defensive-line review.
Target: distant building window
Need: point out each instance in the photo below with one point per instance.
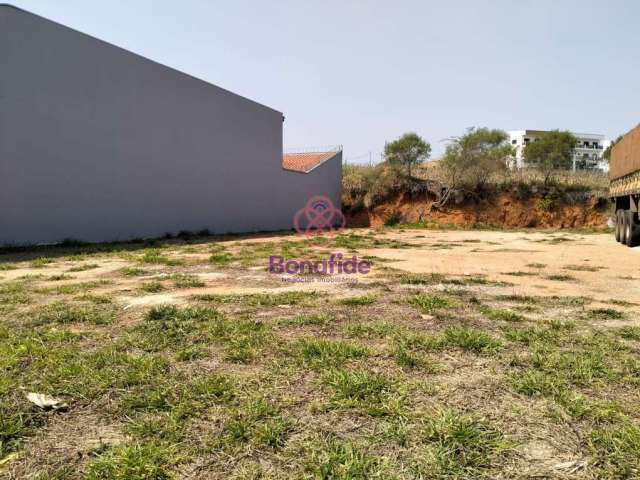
(513, 142)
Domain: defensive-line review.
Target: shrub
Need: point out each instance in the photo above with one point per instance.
(544, 204)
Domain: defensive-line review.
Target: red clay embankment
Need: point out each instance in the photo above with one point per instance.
(504, 210)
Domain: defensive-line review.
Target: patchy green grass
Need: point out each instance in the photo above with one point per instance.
(263, 299)
(630, 333)
(537, 265)
(412, 360)
(354, 242)
(429, 303)
(470, 339)
(41, 262)
(135, 462)
(461, 445)
(59, 277)
(417, 279)
(83, 268)
(333, 458)
(318, 319)
(324, 353)
(583, 268)
(518, 299)
(534, 383)
(60, 312)
(561, 277)
(183, 280)
(293, 384)
(532, 335)
(621, 303)
(361, 389)
(561, 325)
(221, 259)
(133, 272)
(464, 338)
(15, 292)
(617, 450)
(606, 314)
(501, 314)
(152, 287)
(358, 301)
(174, 313)
(155, 256)
(520, 274)
(380, 329)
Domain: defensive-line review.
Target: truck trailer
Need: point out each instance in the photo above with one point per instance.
(624, 187)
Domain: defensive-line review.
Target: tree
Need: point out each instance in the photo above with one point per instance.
(551, 151)
(407, 151)
(472, 158)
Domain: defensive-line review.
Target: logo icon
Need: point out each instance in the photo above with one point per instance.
(319, 216)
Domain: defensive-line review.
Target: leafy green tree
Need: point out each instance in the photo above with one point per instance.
(407, 151)
(472, 158)
(551, 151)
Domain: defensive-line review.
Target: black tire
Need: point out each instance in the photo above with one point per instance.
(631, 229)
(618, 229)
(623, 227)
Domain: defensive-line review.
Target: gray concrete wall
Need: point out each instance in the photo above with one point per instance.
(97, 143)
(324, 180)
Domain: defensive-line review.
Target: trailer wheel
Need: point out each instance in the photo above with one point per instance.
(618, 229)
(623, 227)
(631, 229)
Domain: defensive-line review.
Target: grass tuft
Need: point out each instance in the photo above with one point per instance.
(501, 314)
(428, 303)
(335, 459)
(617, 448)
(134, 462)
(410, 360)
(60, 312)
(222, 258)
(359, 389)
(471, 340)
(152, 287)
(358, 301)
(325, 353)
(606, 314)
(182, 280)
(156, 257)
(462, 445)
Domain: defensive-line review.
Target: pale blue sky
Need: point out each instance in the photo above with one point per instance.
(358, 73)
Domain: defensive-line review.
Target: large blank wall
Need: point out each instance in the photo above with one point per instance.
(97, 143)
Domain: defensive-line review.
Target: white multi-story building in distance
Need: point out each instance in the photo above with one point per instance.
(588, 154)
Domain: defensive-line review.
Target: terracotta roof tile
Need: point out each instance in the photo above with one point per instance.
(304, 162)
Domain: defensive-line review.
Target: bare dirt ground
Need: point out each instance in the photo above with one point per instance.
(533, 262)
(463, 354)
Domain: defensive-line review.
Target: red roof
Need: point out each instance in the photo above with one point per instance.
(304, 162)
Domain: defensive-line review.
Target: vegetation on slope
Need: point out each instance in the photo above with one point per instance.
(474, 170)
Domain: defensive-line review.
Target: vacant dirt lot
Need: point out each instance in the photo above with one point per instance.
(535, 263)
(463, 354)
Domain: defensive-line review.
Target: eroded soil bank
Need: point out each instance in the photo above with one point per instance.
(505, 211)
